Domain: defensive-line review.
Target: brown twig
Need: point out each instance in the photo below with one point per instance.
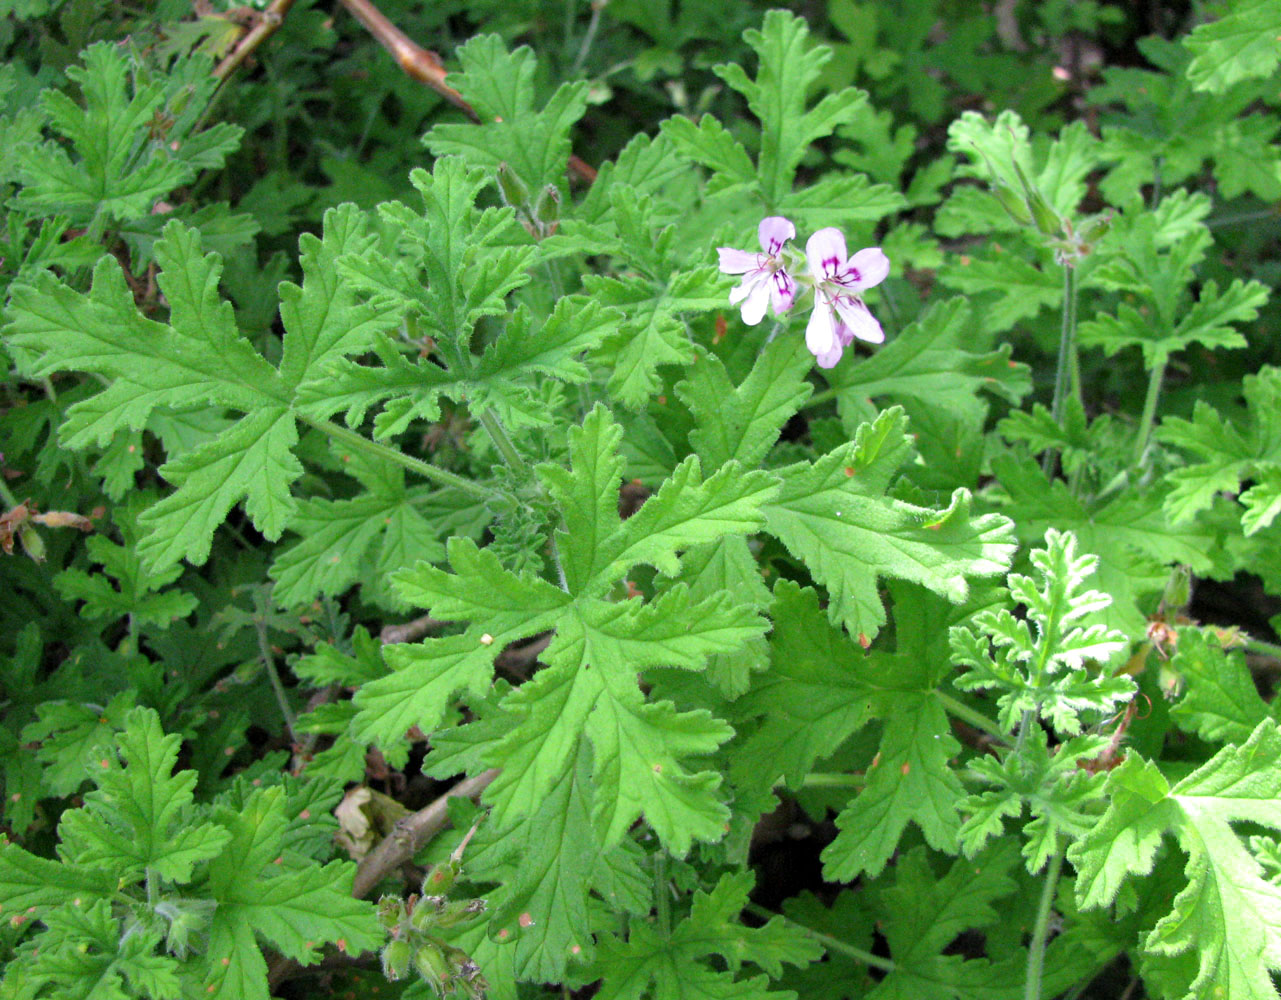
(410, 833)
(268, 21)
(426, 67)
(409, 631)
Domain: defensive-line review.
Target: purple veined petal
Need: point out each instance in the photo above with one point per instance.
(820, 333)
(859, 319)
(737, 261)
(773, 232)
(867, 268)
(825, 251)
(782, 291)
(757, 299)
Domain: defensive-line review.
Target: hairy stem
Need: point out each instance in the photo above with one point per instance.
(829, 942)
(592, 26)
(975, 718)
(1146, 421)
(269, 661)
(1041, 929)
(498, 434)
(358, 441)
(1067, 375)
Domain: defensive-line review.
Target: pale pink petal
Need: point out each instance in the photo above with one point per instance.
(868, 267)
(737, 261)
(861, 323)
(782, 292)
(829, 359)
(820, 333)
(825, 251)
(774, 231)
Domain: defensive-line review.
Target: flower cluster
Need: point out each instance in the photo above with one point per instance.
(775, 276)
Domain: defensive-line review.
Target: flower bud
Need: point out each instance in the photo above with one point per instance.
(391, 911)
(1047, 220)
(512, 188)
(441, 878)
(430, 962)
(547, 211)
(1015, 207)
(459, 911)
(395, 958)
(32, 542)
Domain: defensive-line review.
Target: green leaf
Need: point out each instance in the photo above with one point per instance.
(137, 821)
(674, 963)
(122, 167)
(910, 780)
(589, 686)
(1039, 663)
(922, 914)
(296, 911)
(1238, 46)
(835, 517)
(1231, 452)
(926, 362)
(198, 359)
(787, 70)
(1228, 918)
(500, 86)
(1220, 701)
(1133, 539)
(1021, 288)
(742, 423)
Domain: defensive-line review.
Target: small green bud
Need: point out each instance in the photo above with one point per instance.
(32, 542)
(426, 911)
(441, 878)
(395, 958)
(512, 188)
(459, 911)
(430, 962)
(1047, 220)
(547, 211)
(1093, 230)
(391, 911)
(1015, 207)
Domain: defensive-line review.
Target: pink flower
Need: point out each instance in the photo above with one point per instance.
(765, 277)
(839, 314)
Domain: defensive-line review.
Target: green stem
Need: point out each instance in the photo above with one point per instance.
(819, 398)
(6, 495)
(494, 428)
(825, 780)
(1041, 930)
(662, 895)
(269, 661)
(975, 718)
(1155, 379)
(588, 38)
(829, 942)
(1068, 373)
(361, 443)
(1263, 648)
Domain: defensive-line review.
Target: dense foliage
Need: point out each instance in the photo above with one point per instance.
(444, 557)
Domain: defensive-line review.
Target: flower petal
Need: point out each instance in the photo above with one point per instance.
(773, 232)
(829, 359)
(737, 261)
(820, 333)
(868, 267)
(859, 319)
(755, 303)
(782, 291)
(825, 251)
